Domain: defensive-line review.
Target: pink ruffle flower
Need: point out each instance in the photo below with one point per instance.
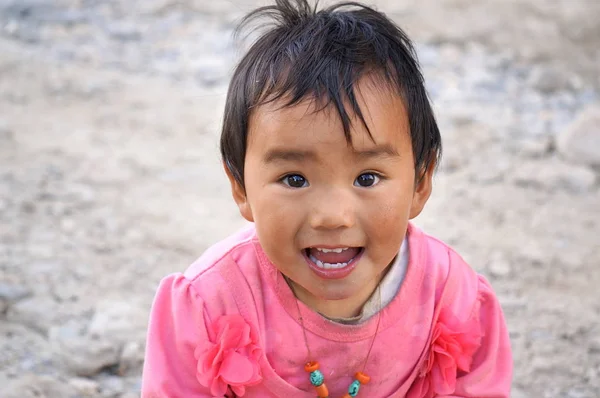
(231, 360)
(452, 348)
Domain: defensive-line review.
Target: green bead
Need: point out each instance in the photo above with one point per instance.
(316, 378)
(354, 387)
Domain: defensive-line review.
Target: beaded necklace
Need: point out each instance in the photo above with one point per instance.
(316, 376)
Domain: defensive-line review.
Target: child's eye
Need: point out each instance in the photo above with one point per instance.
(367, 180)
(295, 181)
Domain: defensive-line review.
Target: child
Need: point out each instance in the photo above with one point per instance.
(330, 145)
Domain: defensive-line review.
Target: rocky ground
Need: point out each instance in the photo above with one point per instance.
(110, 177)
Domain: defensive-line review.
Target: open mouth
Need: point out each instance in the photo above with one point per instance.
(333, 258)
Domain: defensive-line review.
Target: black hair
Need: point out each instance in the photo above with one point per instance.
(321, 54)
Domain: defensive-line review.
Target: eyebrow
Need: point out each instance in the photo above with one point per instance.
(294, 155)
(385, 150)
(287, 155)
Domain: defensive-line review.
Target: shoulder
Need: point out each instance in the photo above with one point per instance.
(234, 247)
(456, 282)
(468, 332)
(197, 317)
(224, 275)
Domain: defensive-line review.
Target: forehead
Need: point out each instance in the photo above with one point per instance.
(310, 122)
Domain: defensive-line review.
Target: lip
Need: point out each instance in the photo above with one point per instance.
(333, 273)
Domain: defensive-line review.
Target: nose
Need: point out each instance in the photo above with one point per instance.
(333, 209)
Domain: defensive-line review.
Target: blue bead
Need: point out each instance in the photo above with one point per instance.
(354, 387)
(316, 378)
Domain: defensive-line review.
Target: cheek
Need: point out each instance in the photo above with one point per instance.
(279, 210)
(277, 220)
(388, 222)
(277, 241)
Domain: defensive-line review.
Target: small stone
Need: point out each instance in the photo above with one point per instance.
(68, 224)
(86, 387)
(518, 393)
(3, 205)
(125, 31)
(81, 353)
(212, 7)
(63, 16)
(6, 134)
(42, 250)
(34, 386)
(154, 6)
(499, 266)
(112, 386)
(535, 147)
(540, 334)
(492, 172)
(38, 312)
(595, 345)
(453, 160)
(12, 293)
(548, 80)
(542, 364)
(28, 207)
(513, 303)
(212, 70)
(580, 143)
(451, 53)
(554, 175)
(118, 320)
(577, 393)
(132, 358)
(11, 27)
(534, 124)
(80, 193)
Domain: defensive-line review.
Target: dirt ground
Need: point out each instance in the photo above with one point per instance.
(110, 176)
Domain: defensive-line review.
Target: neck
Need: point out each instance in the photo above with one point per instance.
(344, 308)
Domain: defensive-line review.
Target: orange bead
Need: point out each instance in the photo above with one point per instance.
(362, 378)
(322, 391)
(347, 396)
(311, 366)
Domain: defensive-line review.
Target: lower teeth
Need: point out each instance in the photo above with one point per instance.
(323, 265)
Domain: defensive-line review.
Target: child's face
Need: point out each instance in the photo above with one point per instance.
(307, 188)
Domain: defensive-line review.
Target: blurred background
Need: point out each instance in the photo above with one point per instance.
(110, 175)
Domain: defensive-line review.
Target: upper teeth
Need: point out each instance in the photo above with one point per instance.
(337, 250)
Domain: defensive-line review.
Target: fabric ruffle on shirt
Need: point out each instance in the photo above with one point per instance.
(451, 352)
(230, 360)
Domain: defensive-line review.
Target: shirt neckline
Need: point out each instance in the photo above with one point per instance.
(323, 327)
(388, 289)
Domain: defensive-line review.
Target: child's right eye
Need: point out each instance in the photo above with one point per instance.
(295, 181)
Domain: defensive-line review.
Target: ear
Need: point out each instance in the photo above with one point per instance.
(422, 189)
(239, 195)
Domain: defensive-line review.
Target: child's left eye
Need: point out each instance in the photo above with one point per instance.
(367, 180)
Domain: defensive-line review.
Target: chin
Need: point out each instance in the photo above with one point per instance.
(336, 295)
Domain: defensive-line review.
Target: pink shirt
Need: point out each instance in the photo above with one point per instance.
(230, 324)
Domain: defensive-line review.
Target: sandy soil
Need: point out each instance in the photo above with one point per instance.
(110, 176)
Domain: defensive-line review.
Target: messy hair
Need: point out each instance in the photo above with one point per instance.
(322, 54)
